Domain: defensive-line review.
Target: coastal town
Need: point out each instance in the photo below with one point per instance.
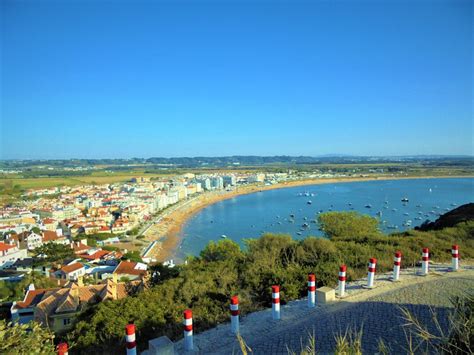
(93, 241)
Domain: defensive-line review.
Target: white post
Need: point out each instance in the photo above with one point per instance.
(130, 339)
(276, 302)
(342, 280)
(425, 261)
(311, 290)
(371, 273)
(396, 265)
(62, 349)
(188, 330)
(455, 257)
(234, 314)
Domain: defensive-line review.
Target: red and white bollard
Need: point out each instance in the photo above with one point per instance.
(371, 274)
(62, 349)
(397, 259)
(276, 302)
(455, 257)
(188, 330)
(342, 281)
(425, 260)
(311, 290)
(234, 314)
(130, 339)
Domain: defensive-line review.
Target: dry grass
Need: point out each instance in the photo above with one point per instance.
(458, 339)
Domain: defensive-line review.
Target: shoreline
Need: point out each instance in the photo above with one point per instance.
(167, 230)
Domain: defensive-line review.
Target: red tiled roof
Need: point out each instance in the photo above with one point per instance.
(128, 267)
(71, 268)
(97, 255)
(4, 247)
(32, 298)
(49, 236)
(80, 248)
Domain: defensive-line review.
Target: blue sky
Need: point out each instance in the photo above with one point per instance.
(103, 79)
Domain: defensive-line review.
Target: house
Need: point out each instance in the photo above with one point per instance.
(9, 253)
(131, 270)
(50, 224)
(57, 308)
(23, 265)
(91, 228)
(53, 237)
(71, 271)
(30, 240)
(104, 229)
(94, 255)
(111, 240)
(80, 247)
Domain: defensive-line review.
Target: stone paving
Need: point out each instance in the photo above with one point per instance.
(375, 311)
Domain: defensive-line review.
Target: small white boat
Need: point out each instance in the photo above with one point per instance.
(223, 236)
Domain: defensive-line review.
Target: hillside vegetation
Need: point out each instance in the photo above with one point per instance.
(224, 269)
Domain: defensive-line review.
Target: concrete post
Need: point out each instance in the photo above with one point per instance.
(397, 259)
(130, 339)
(311, 290)
(342, 281)
(62, 349)
(188, 330)
(455, 257)
(425, 261)
(234, 314)
(371, 273)
(276, 302)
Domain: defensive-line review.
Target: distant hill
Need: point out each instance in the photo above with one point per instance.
(463, 213)
(245, 160)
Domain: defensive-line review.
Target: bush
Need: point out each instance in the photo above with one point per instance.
(21, 339)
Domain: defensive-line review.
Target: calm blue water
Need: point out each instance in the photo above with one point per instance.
(248, 216)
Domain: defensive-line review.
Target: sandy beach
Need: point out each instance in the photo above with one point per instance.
(166, 231)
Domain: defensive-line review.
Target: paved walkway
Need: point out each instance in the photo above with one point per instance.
(375, 311)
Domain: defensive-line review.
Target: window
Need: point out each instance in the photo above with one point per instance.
(66, 321)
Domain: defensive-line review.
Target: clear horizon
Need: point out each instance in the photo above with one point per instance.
(113, 80)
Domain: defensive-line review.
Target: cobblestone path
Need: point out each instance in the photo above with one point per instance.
(375, 311)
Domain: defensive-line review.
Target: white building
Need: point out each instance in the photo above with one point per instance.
(9, 254)
(229, 180)
(205, 183)
(217, 183)
(256, 178)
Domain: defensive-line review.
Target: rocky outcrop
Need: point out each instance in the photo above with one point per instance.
(463, 213)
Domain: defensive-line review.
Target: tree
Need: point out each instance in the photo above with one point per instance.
(36, 230)
(347, 224)
(23, 338)
(132, 256)
(11, 291)
(160, 273)
(221, 250)
(54, 252)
